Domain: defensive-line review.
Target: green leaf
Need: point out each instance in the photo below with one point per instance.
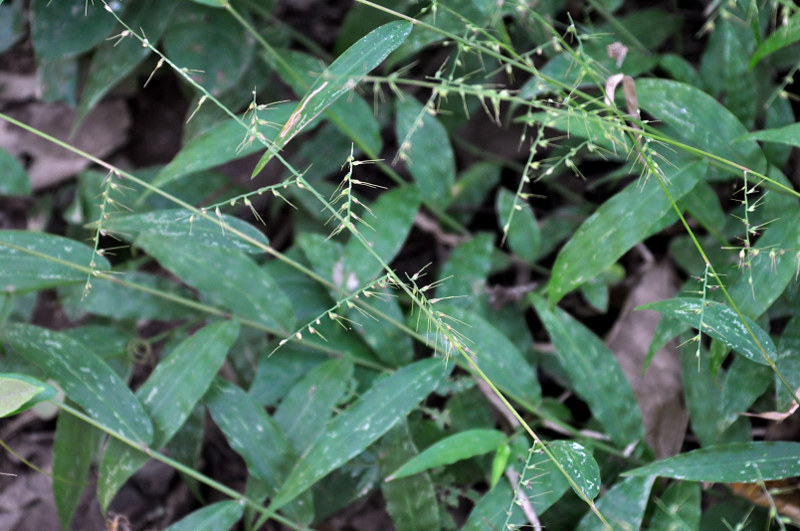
(789, 135)
(678, 508)
(702, 121)
(311, 402)
(84, 377)
(228, 140)
(389, 400)
(492, 510)
(411, 502)
(710, 422)
(720, 322)
(15, 180)
(617, 225)
(113, 60)
(496, 356)
(34, 261)
(211, 45)
(519, 225)
(746, 462)
(784, 36)
(340, 77)
(254, 435)
(426, 149)
(394, 213)
(579, 465)
(227, 277)
(220, 515)
(19, 392)
(109, 299)
(594, 373)
(183, 224)
(67, 27)
(351, 115)
(623, 506)
(212, 3)
(452, 449)
(466, 270)
(74, 448)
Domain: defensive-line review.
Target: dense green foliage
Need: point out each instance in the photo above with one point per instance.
(336, 363)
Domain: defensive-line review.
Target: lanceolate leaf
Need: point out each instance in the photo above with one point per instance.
(411, 502)
(594, 373)
(340, 77)
(348, 434)
(496, 356)
(182, 223)
(45, 264)
(579, 465)
(67, 28)
(220, 515)
(425, 147)
(255, 435)
(394, 214)
(747, 462)
(519, 225)
(85, 378)
(623, 506)
(784, 36)
(789, 134)
(700, 120)
(19, 392)
(114, 59)
(74, 448)
(620, 223)
(224, 142)
(452, 449)
(720, 322)
(311, 401)
(169, 395)
(228, 277)
(351, 115)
